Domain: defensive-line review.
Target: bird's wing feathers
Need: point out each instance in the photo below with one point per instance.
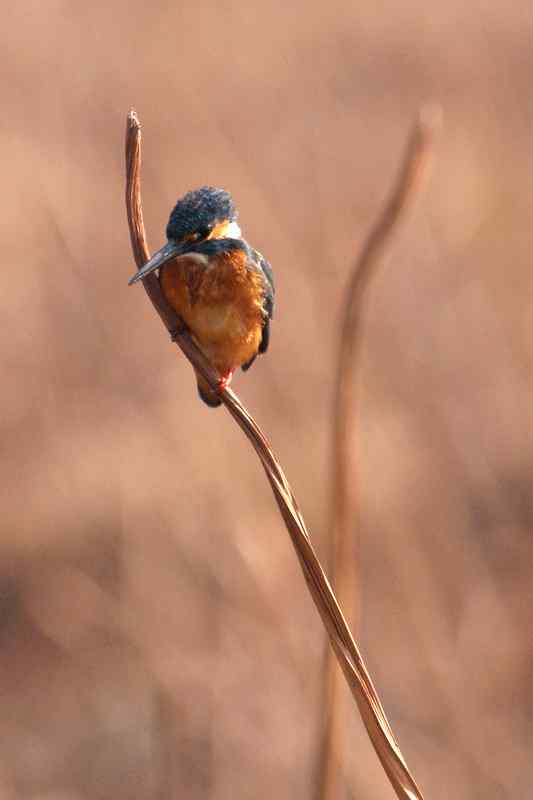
(267, 272)
(268, 302)
(262, 265)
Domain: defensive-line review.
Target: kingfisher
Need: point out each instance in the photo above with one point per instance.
(220, 287)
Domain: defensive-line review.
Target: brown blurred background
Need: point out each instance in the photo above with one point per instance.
(156, 636)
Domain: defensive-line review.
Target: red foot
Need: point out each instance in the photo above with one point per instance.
(225, 380)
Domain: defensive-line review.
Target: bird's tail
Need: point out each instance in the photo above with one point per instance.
(210, 397)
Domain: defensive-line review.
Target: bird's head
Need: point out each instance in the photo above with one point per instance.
(201, 215)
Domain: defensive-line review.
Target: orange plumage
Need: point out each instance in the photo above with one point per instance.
(221, 302)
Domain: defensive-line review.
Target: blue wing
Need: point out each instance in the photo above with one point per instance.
(268, 302)
(262, 265)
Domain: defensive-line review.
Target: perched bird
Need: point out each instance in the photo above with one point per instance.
(220, 287)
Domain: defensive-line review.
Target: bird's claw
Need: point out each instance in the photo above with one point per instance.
(225, 381)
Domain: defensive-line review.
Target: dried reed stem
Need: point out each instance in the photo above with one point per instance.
(344, 546)
(345, 648)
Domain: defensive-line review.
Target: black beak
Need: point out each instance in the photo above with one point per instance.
(167, 253)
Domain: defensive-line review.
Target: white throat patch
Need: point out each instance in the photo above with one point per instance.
(232, 231)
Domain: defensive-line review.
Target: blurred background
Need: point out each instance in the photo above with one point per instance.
(156, 636)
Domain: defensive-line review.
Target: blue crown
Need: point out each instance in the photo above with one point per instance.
(201, 208)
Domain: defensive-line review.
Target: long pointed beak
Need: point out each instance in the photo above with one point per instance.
(169, 251)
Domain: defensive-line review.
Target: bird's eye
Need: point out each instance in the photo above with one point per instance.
(202, 233)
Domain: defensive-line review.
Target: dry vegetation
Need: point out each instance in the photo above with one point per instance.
(343, 646)
(156, 639)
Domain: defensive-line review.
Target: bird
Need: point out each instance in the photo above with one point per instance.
(220, 287)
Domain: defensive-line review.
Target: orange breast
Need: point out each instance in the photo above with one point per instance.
(221, 302)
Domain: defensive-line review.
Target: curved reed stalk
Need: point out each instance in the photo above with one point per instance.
(343, 512)
(346, 650)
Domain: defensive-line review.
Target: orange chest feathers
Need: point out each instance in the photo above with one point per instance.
(221, 302)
